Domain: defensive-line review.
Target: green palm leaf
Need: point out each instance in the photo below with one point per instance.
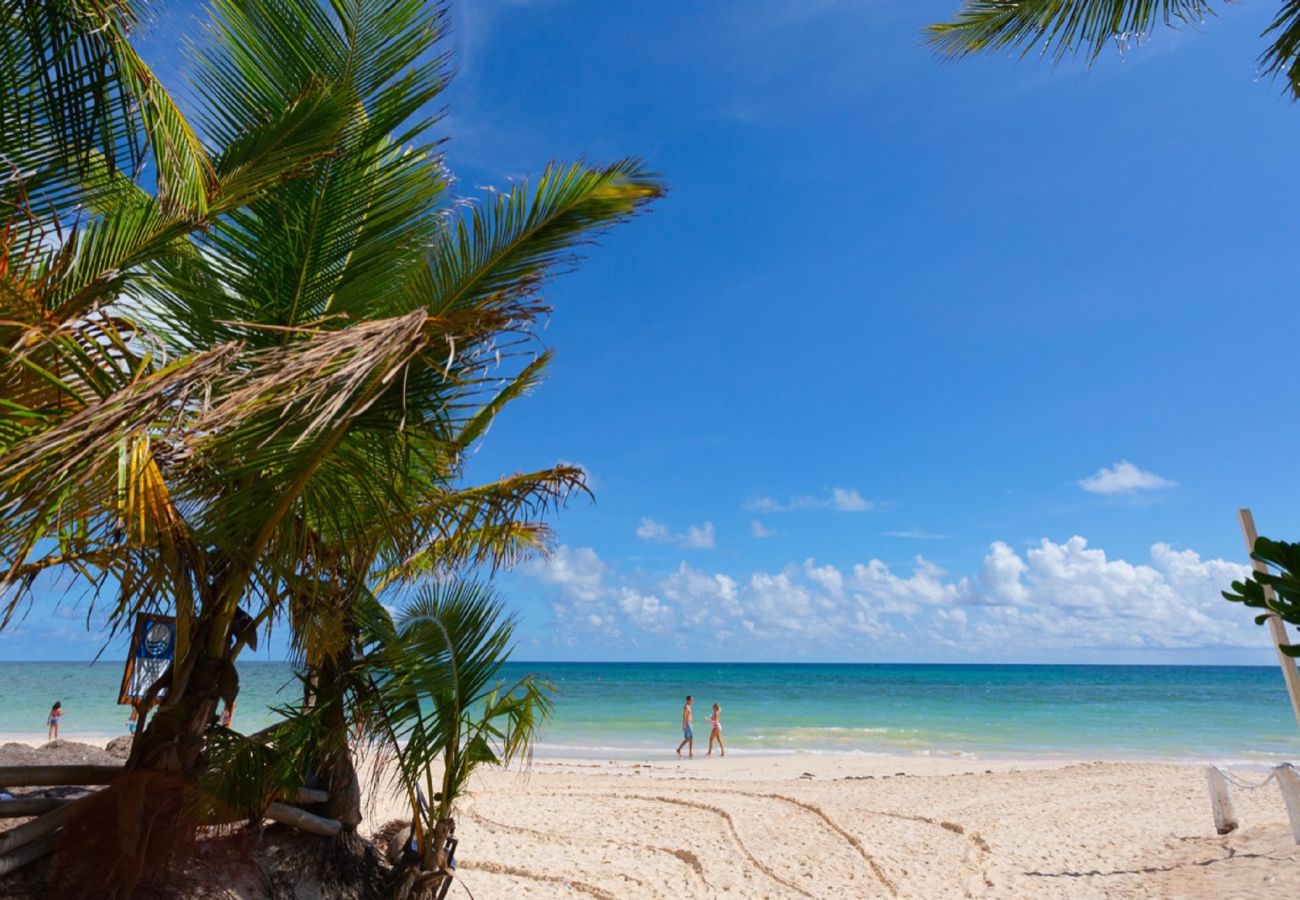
(504, 248)
(1056, 27)
(1283, 56)
(1059, 28)
(72, 86)
(437, 675)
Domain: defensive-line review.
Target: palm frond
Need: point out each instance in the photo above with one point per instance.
(65, 482)
(514, 388)
(1057, 28)
(437, 680)
(1283, 55)
(72, 86)
(509, 244)
(493, 524)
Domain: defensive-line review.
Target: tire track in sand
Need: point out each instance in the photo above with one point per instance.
(977, 842)
(982, 848)
(517, 872)
(850, 839)
(685, 856)
(735, 836)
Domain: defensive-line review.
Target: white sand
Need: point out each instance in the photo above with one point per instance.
(848, 826)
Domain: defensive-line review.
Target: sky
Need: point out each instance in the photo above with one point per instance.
(916, 361)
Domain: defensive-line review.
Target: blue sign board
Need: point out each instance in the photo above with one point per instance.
(153, 644)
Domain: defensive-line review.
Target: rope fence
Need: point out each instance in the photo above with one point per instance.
(1225, 816)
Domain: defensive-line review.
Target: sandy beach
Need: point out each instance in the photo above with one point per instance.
(844, 826)
(805, 825)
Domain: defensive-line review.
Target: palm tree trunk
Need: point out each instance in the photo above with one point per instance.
(157, 792)
(326, 688)
(338, 773)
(172, 740)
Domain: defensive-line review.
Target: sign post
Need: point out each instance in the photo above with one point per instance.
(153, 644)
(1276, 626)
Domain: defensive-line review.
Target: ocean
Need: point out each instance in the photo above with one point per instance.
(1234, 715)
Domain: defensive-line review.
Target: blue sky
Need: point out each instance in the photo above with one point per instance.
(916, 361)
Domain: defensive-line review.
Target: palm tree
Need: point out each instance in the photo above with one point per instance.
(438, 700)
(1061, 28)
(256, 400)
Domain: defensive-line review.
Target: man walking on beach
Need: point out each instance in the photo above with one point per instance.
(688, 737)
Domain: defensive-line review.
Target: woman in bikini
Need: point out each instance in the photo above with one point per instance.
(56, 713)
(716, 734)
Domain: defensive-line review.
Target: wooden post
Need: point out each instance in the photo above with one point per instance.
(1225, 818)
(29, 806)
(1275, 624)
(32, 776)
(302, 820)
(1289, 782)
(28, 853)
(36, 828)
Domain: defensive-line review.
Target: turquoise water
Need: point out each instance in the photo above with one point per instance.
(633, 709)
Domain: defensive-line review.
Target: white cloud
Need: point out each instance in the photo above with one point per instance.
(1123, 478)
(646, 611)
(1001, 575)
(651, 530)
(1072, 595)
(779, 604)
(702, 597)
(880, 588)
(578, 572)
(848, 500)
(695, 537)
(840, 499)
(828, 578)
(759, 530)
(916, 534)
(1051, 597)
(699, 537)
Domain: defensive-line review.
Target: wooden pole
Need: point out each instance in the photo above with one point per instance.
(32, 776)
(1225, 817)
(29, 806)
(1275, 624)
(1289, 782)
(28, 853)
(312, 795)
(302, 820)
(30, 831)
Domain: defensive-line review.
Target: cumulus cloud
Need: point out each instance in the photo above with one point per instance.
(578, 572)
(1049, 596)
(840, 499)
(759, 530)
(651, 530)
(701, 596)
(699, 537)
(646, 611)
(1070, 594)
(583, 605)
(695, 537)
(1001, 576)
(1123, 478)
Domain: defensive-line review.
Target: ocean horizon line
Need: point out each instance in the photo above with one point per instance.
(741, 662)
